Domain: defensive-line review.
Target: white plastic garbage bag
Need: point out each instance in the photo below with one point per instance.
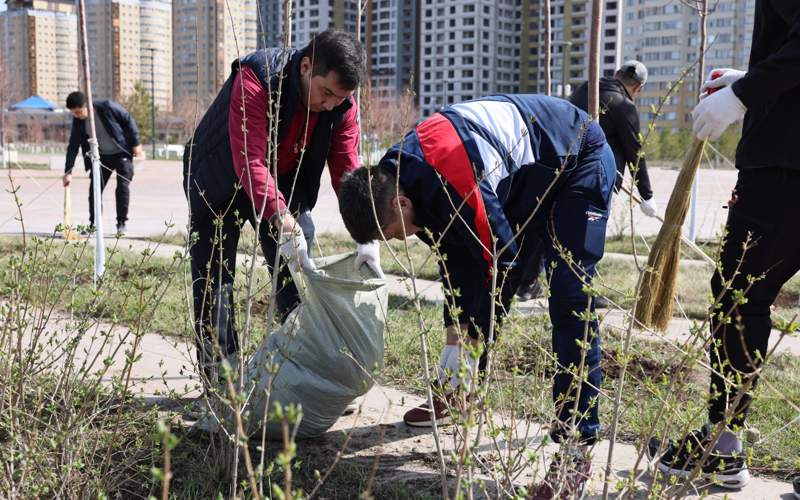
(327, 351)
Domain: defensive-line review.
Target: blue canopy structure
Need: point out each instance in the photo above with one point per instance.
(34, 103)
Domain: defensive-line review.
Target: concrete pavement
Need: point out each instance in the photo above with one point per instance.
(157, 200)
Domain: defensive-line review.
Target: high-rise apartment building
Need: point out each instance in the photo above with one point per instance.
(392, 48)
(130, 40)
(666, 39)
(270, 23)
(208, 35)
(309, 17)
(155, 43)
(467, 49)
(570, 31)
(39, 49)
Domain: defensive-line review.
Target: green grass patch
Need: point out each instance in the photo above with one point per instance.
(625, 244)
(151, 292)
(138, 290)
(394, 258)
(523, 380)
(26, 165)
(617, 280)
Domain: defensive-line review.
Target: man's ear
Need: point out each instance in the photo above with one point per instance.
(401, 203)
(305, 66)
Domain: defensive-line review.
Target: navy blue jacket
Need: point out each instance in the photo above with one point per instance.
(556, 129)
(441, 170)
(118, 122)
(208, 158)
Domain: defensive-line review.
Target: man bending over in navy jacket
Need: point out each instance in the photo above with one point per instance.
(478, 180)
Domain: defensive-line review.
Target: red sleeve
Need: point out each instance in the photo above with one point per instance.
(250, 100)
(343, 153)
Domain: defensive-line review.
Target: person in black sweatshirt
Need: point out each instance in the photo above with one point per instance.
(619, 119)
(762, 246)
(117, 142)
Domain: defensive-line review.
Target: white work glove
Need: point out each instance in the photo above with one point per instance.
(715, 113)
(294, 249)
(370, 254)
(450, 364)
(726, 79)
(649, 207)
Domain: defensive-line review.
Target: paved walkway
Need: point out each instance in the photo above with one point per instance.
(157, 199)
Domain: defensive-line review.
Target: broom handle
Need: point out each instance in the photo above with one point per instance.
(684, 239)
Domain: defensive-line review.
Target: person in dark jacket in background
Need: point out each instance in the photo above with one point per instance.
(762, 240)
(620, 121)
(118, 142)
(228, 174)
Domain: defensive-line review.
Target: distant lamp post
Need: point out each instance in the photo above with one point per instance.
(565, 54)
(153, 96)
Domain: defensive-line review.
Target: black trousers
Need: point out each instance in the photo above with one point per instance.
(765, 210)
(123, 166)
(213, 256)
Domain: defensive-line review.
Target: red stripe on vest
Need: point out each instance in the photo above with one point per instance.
(445, 152)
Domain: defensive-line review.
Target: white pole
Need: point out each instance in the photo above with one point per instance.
(693, 212)
(94, 154)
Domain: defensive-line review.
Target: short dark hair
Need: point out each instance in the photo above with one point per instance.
(76, 100)
(339, 51)
(356, 201)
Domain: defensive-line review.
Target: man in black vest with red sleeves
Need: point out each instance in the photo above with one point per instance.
(230, 167)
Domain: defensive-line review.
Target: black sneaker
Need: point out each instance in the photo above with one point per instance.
(566, 478)
(680, 457)
(87, 230)
(796, 484)
(121, 229)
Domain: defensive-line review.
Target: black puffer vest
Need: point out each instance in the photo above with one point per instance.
(208, 156)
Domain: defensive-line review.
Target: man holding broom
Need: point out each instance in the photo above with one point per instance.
(761, 251)
(118, 141)
(479, 181)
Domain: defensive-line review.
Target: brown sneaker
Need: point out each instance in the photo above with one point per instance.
(566, 478)
(421, 415)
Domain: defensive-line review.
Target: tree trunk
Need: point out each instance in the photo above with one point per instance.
(548, 84)
(594, 59)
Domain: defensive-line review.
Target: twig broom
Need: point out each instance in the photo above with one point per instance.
(654, 309)
(69, 232)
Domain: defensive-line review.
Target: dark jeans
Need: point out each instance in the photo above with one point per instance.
(123, 165)
(572, 220)
(213, 256)
(765, 207)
